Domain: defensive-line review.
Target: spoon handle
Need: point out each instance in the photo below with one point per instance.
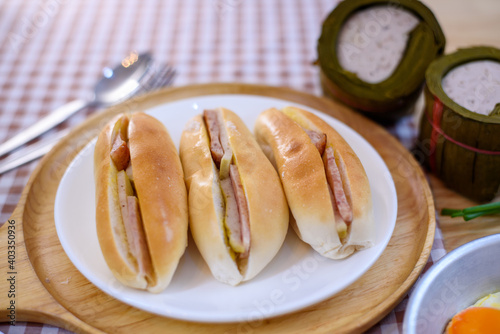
(48, 122)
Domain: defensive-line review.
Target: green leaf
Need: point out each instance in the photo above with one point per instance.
(484, 207)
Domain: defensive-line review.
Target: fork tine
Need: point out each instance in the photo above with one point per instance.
(150, 82)
(167, 79)
(160, 77)
(166, 76)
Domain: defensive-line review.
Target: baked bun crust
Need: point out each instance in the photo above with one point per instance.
(160, 188)
(282, 136)
(268, 210)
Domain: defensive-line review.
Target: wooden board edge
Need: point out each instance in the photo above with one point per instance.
(46, 309)
(402, 291)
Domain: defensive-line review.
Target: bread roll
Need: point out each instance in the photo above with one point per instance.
(208, 201)
(143, 254)
(333, 225)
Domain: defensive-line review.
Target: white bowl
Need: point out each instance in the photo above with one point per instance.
(456, 282)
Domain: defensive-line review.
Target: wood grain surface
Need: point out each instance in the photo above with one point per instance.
(55, 292)
(467, 23)
(456, 231)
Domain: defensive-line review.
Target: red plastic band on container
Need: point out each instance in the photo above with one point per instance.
(437, 113)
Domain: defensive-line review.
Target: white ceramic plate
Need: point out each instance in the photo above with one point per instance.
(296, 278)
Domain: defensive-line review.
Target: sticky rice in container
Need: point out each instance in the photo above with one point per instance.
(373, 54)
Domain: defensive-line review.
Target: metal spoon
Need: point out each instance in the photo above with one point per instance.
(116, 85)
(158, 76)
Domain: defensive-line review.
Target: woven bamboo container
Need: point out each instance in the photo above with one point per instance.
(396, 93)
(460, 146)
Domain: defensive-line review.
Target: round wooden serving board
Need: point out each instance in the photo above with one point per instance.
(50, 289)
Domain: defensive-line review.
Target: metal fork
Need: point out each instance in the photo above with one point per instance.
(159, 77)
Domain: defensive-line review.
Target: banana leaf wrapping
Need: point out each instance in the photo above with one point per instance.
(396, 93)
(460, 146)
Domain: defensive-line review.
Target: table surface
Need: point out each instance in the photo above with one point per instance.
(53, 52)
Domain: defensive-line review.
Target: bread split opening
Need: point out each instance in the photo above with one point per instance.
(138, 252)
(337, 182)
(236, 219)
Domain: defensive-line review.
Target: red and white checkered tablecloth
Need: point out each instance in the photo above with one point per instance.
(53, 51)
